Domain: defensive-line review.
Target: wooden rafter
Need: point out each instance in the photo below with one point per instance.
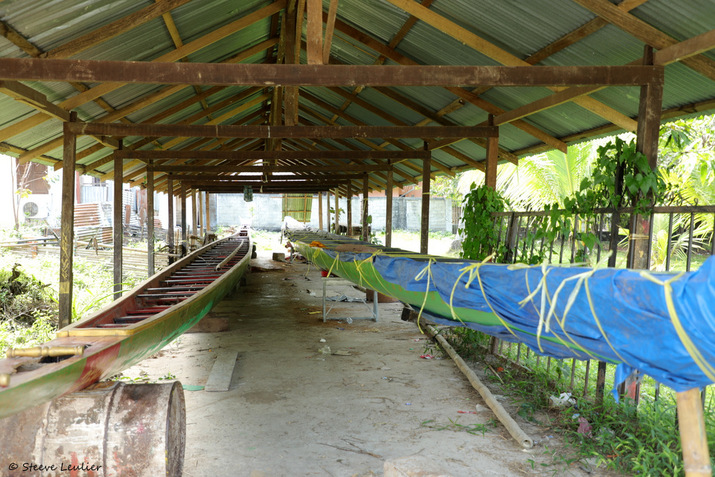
(646, 33)
(498, 54)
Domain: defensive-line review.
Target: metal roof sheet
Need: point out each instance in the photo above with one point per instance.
(518, 28)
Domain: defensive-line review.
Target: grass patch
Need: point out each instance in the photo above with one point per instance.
(634, 440)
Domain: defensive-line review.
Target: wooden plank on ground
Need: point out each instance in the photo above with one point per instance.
(222, 371)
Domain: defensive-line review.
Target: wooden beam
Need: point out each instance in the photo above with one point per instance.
(67, 227)
(685, 49)
(314, 32)
(33, 98)
(502, 56)
(242, 155)
(260, 169)
(13, 36)
(113, 72)
(329, 30)
(185, 130)
(462, 94)
(176, 54)
(111, 30)
(646, 33)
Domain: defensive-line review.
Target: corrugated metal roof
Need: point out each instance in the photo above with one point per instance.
(518, 28)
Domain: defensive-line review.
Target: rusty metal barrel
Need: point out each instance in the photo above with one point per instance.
(111, 429)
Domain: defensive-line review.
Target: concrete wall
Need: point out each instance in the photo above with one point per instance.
(265, 212)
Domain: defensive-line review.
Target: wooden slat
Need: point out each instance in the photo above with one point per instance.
(219, 379)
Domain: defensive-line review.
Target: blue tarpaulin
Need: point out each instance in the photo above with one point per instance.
(662, 324)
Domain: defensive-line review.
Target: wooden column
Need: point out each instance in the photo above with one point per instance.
(492, 159)
(208, 212)
(320, 211)
(150, 217)
(349, 206)
(118, 226)
(69, 153)
(327, 210)
(364, 235)
(170, 210)
(337, 211)
(182, 192)
(202, 211)
(194, 217)
(649, 111)
(388, 209)
(424, 222)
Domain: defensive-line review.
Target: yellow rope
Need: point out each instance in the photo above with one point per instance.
(473, 271)
(690, 347)
(428, 271)
(598, 322)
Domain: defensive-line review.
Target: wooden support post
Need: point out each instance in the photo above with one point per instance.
(69, 153)
(314, 32)
(649, 111)
(424, 223)
(202, 211)
(327, 211)
(194, 218)
(150, 217)
(337, 212)
(208, 212)
(118, 226)
(490, 179)
(693, 435)
(349, 198)
(320, 211)
(388, 209)
(170, 210)
(364, 236)
(184, 235)
(199, 211)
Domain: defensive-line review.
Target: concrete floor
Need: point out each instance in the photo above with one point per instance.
(294, 411)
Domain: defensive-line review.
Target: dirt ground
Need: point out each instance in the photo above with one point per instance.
(293, 410)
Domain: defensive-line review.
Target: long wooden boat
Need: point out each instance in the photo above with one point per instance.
(129, 329)
(662, 324)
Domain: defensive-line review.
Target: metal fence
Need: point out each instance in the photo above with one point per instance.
(678, 239)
